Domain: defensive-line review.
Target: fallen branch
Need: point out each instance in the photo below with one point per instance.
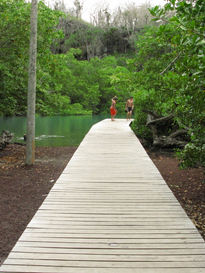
(178, 133)
(160, 120)
(167, 142)
(160, 128)
(5, 138)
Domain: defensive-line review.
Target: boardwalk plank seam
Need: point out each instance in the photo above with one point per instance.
(110, 211)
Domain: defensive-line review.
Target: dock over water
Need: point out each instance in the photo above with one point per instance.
(110, 211)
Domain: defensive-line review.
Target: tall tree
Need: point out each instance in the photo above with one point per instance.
(31, 98)
(78, 8)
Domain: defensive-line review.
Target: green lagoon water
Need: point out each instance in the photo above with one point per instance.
(52, 131)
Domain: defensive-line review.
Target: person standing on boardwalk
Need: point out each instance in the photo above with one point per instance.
(129, 107)
(113, 110)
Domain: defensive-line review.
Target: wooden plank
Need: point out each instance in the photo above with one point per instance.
(55, 269)
(30, 238)
(86, 216)
(125, 231)
(56, 234)
(99, 264)
(96, 217)
(112, 245)
(108, 258)
(104, 221)
(90, 251)
(110, 211)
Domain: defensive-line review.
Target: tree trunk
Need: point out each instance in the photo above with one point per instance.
(31, 97)
(165, 132)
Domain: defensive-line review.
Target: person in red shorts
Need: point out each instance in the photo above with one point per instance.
(113, 110)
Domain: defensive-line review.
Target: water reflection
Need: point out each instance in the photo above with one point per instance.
(52, 131)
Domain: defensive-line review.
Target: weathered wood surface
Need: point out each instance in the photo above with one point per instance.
(110, 211)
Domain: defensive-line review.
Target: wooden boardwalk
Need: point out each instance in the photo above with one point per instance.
(109, 212)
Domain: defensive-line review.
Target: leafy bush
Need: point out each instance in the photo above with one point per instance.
(144, 100)
(192, 155)
(170, 60)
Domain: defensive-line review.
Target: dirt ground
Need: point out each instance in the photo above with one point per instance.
(23, 189)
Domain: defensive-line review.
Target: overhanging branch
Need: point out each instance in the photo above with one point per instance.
(170, 64)
(160, 120)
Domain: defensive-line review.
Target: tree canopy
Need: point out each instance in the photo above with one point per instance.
(155, 55)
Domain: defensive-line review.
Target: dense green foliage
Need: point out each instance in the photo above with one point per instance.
(172, 69)
(81, 66)
(66, 84)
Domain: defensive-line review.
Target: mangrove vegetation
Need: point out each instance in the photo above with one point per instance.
(155, 54)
